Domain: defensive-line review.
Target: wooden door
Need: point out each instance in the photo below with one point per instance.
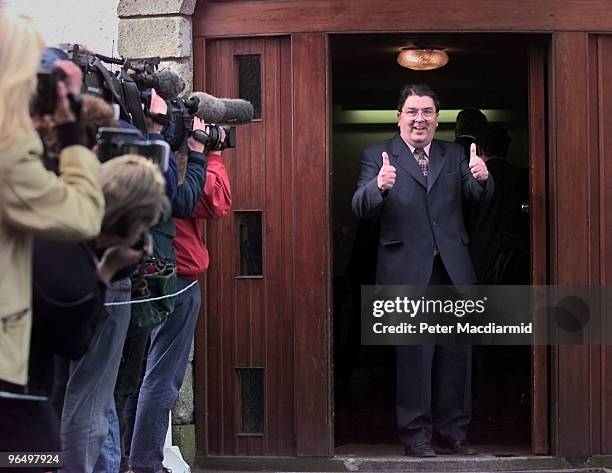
(262, 355)
(580, 179)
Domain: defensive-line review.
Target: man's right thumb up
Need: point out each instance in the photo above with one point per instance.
(385, 158)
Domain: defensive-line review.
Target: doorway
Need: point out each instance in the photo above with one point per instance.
(494, 73)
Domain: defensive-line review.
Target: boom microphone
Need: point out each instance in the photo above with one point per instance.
(165, 82)
(214, 110)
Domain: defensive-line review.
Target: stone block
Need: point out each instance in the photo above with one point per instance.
(183, 436)
(182, 412)
(132, 8)
(167, 37)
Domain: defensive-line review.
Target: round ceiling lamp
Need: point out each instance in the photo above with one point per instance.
(422, 59)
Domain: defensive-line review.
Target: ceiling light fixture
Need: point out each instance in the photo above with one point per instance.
(422, 59)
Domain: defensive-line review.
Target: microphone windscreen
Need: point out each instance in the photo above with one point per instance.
(237, 111)
(210, 108)
(168, 84)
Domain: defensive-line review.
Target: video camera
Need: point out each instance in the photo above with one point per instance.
(130, 89)
(211, 110)
(113, 142)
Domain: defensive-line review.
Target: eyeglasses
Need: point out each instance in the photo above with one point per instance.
(426, 113)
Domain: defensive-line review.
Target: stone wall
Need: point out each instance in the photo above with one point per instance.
(151, 28)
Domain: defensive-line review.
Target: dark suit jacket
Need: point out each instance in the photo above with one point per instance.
(498, 226)
(419, 211)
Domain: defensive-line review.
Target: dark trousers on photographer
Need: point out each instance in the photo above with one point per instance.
(127, 388)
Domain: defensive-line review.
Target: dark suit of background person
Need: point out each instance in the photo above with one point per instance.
(499, 241)
(423, 241)
(468, 126)
(498, 229)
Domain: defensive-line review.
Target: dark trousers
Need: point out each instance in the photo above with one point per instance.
(433, 386)
(131, 372)
(28, 426)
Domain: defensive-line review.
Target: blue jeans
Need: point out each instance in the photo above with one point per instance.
(89, 392)
(166, 365)
(109, 460)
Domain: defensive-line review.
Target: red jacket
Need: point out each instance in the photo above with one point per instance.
(215, 202)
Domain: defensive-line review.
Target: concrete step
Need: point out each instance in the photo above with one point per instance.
(474, 464)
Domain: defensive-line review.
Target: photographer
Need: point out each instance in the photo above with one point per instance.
(69, 317)
(88, 413)
(170, 341)
(34, 202)
(126, 391)
(134, 188)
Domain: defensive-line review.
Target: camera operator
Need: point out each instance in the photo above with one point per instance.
(34, 202)
(171, 341)
(158, 108)
(126, 390)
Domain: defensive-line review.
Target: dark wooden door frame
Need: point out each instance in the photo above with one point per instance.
(540, 250)
(540, 416)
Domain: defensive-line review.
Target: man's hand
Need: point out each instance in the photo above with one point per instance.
(63, 112)
(194, 145)
(70, 85)
(74, 76)
(158, 107)
(477, 165)
(121, 256)
(386, 175)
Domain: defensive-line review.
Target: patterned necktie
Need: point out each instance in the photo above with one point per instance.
(421, 158)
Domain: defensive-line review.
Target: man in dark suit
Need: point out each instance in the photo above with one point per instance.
(468, 126)
(498, 229)
(499, 245)
(416, 185)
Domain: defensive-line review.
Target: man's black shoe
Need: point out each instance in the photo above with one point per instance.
(421, 449)
(459, 447)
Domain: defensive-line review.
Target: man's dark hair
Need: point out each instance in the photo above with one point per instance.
(470, 121)
(420, 90)
(494, 140)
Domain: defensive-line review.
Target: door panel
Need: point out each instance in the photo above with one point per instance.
(262, 341)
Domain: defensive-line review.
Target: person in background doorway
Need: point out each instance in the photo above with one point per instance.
(469, 123)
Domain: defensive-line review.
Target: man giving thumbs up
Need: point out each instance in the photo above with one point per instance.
(416, 185)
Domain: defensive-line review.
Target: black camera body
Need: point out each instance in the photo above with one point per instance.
(180, 126)
(113, 142)
(212, 138)
(46, 98)
(48, 77)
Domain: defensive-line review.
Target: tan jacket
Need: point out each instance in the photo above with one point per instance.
(35, 202)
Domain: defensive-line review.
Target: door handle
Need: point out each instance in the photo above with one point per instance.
(525, 208)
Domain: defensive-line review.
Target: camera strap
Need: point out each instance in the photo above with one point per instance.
(160, 119)
(110, 82)
(131, 95)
